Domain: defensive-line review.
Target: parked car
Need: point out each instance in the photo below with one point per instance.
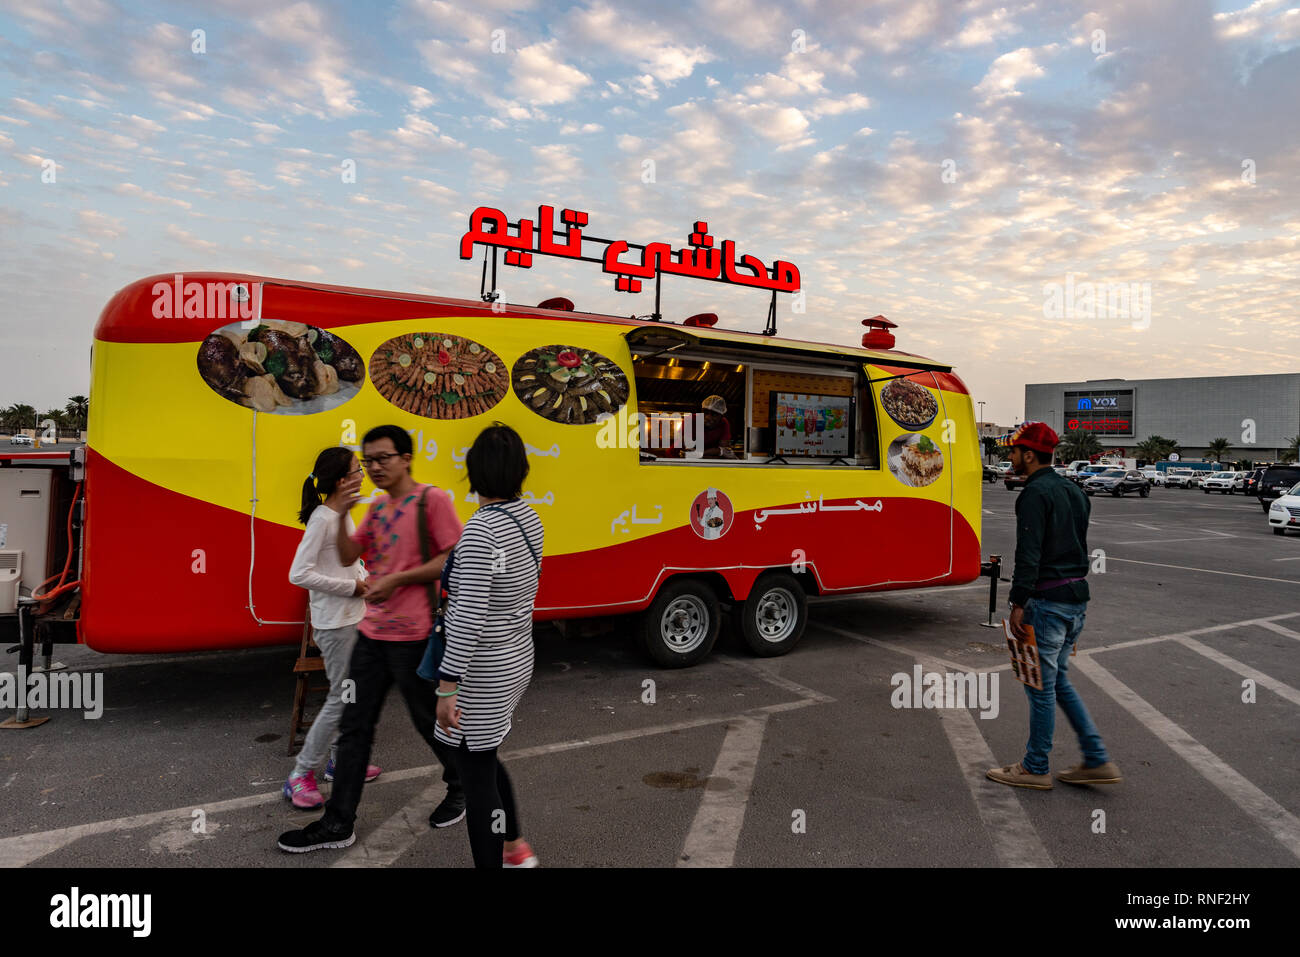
(1155, 477)
(1179, 478)
(1088, 471)
(1117, 482)
(1014, 481)
(991, 473)
(20, 440)
(1284, 511)
(1252, 481)
(1003, 467)
(1221, 482)
(1276, 481)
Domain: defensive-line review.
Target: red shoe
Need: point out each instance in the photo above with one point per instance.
(521, 856)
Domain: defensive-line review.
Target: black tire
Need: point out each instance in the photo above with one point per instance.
(1279, 531)
(1264, 506)
(681, 625)
(773, 617)
(1144, 492)
(1116, 492)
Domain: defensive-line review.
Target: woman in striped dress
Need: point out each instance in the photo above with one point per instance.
(488, 660)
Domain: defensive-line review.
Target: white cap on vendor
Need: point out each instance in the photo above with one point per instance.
(716, 403)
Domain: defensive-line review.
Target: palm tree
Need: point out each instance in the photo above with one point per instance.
(1155, 448)
(1078, 445)
(18, 417)
(1217, 447)
(77, 409)
(991, 447)
(1292, 451)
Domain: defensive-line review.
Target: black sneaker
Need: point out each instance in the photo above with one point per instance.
(451, 810)
(314, 837)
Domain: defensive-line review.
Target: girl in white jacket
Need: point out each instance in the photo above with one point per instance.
(337, 604)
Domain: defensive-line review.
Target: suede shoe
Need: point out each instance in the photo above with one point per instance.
(1106, 773)
(451, 810)
(1016, 776)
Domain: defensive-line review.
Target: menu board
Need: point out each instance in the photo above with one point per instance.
(818, 425)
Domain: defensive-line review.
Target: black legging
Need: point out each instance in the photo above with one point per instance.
(489, 804)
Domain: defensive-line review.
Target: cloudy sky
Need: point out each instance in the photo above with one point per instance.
(942, 163)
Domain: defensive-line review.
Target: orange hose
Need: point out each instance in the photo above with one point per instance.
(60, 588)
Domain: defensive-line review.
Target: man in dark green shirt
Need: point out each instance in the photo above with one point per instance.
(1049, 593)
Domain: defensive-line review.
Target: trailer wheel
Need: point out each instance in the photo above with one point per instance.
(681, 625)
(773, 617)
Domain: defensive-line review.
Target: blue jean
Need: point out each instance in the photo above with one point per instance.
(1057, 625)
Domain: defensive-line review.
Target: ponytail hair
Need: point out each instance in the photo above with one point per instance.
(332, 465)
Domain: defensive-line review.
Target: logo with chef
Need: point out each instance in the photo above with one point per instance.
(711, 514)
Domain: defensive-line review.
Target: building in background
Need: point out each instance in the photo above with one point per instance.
(1258, 414)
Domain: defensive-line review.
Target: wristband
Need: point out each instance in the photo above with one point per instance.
(447, 694)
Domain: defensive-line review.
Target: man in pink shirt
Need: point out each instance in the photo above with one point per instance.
(391, 637)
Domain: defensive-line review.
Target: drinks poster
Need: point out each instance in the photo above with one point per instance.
(812, 424)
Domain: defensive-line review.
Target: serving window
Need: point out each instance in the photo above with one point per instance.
(774, 413)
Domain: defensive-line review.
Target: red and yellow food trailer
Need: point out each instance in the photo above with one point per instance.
(848, 469)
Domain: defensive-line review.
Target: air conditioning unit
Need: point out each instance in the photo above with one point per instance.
(11, 573)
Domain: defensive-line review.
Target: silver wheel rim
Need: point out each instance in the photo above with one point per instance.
(684, 625)
(776, 615)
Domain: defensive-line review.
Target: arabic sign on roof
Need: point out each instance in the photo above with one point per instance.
(491, 228)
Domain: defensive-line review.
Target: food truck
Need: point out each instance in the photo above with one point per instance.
(847, 468)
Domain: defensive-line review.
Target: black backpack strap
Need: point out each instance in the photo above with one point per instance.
(501, 508)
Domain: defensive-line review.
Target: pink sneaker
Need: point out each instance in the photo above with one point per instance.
(521, 856)
(302, 791)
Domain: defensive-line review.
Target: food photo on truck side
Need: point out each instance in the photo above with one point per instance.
(847, 469)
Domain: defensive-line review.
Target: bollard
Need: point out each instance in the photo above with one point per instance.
(992, 568)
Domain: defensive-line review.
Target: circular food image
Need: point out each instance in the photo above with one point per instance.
(915, 460)
(711, 514)
(912, 406)
(288, 368)
(568, 384)
(438, 376)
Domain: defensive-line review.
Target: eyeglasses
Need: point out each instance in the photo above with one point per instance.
(381, 459)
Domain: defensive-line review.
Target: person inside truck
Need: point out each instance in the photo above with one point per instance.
(717, 430)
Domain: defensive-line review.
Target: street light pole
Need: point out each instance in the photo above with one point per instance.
(981, 430)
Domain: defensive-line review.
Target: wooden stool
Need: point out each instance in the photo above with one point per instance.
(309, 662)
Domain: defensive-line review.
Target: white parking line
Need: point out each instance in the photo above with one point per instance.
(1279, 688)
(1015, 841)
(716, 830)
(1278, 629)
(1208, 571)
(386, 843)
(1165, 541)
(888, 646)
(26, 848)
(1294, 559)
(1267, 813)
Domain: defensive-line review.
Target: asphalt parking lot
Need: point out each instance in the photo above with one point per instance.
(794, 761)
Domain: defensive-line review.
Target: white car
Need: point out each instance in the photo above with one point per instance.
(1221, 482)
(1179, 478)
(1284, 512)
(20, 440)
(1154, 476)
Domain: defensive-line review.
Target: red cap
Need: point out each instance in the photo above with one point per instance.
(1037, 436)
